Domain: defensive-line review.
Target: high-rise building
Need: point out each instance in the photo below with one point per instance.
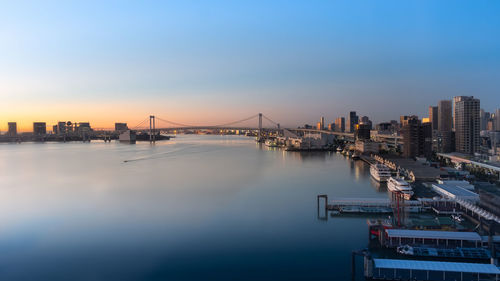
(340, 124)
(417, 138)
(319, 126)
(433, 117)
(403, 120)
(39, 128)
(331, 127)
(353, 120)
(467, 124)
(365, 120)
(444, 116)
(322, 121)
(444, 135)
(497, 119)
(12, 132)
(362, 132)
(121, 127)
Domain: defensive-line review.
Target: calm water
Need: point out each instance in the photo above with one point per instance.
(193, 208)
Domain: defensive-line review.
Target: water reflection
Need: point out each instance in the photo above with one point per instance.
(186, 209)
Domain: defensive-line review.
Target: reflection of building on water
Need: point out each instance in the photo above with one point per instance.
(380, 187)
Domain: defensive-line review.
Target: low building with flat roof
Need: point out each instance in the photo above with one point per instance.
(392, 269)
(399, 237)
(455, 192)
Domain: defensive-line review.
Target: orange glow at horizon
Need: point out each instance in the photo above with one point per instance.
(104, 115)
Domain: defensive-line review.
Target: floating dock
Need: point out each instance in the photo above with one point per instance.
(369, 205)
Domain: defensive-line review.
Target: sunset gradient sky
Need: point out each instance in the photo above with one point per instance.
(209, 62)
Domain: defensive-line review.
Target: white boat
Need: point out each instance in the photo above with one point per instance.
(380, 172)
(356, 156)
(401, 186)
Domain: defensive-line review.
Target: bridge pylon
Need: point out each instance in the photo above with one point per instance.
(260, 127)
(152, 128)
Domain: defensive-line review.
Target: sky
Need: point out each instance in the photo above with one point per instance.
(211, 62)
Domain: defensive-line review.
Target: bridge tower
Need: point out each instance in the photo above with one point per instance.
(260, 127)
(152, 128)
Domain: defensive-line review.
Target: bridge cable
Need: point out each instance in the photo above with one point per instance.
(133, 128)
(174, 123)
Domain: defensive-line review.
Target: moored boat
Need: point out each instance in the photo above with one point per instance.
(380, 172)
(398, 185)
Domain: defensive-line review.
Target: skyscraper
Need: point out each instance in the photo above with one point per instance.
(362, 132)
(467, 124)
(417, 138)
(340, 124)
(444, 116)
(353, 120)
(444, 134)
(322, 121)
(497, 119)
(433, 117)
(485, 117)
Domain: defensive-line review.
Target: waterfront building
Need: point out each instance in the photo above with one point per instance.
(399, 269)
(433, 117)
(322, 123)
(84, 126)
(331, 127)
(319, 126)
(54, 129)
(121, 127)
(400, 237)
(340, 124)
(61, 127)
(128, 136)
(12, 131)
(452, 191)
(417, 138)
(467, 124)
(39, 128)
(367, 146)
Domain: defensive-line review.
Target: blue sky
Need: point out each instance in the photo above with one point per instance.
(197, 61)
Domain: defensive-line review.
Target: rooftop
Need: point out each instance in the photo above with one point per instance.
(455, 190)
(437, 266)
(428, 234)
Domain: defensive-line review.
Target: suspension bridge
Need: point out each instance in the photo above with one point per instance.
(154, 124)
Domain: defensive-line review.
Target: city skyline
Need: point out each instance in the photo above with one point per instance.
(218, 61)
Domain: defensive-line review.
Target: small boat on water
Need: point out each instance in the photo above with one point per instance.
(380, 172)
(457, 217)
(355, 155)
(398, 185)
(339, 149)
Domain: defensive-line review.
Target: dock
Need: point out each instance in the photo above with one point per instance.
(368, 205)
